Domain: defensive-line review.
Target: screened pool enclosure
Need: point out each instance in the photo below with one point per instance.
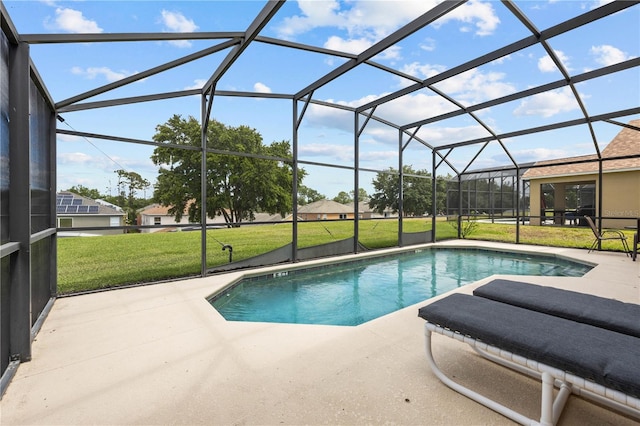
(464, 100)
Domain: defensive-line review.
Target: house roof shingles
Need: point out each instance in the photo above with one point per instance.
(325, 206)
(626, 143)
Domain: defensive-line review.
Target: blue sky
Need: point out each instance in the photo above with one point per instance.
(326, 134)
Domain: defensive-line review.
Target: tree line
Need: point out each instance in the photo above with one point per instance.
(244, 176)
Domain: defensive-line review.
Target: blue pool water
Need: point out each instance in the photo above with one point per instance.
(355, 292)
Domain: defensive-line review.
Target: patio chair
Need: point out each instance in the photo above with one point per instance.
(580, 344)
(601, 236)
(636, 242)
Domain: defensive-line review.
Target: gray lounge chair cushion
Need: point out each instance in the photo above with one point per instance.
(606, 357)
(601, 312)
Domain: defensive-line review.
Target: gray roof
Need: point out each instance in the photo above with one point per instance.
(325, 207)
(71, 204)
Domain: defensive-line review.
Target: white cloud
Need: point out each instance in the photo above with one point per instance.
(414, 107)
(378, 155)
(473, 86)
(546, 64)
(359, 45)
(177, 22)
(549, 103)
(406, 109)
(608, 55)
(534, 154)
(93, 72)
(75, 158)
(354, 46)
(197, 84)
(72, 21)
(442, 135)
(68, 138)
(478, 13)
(422, 71)
(598, 3)
(382, 18)
(428, 44)
(339, 152)
(261, 88)
(501, 60)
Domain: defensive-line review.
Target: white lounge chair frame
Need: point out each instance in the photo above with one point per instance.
(551, 408)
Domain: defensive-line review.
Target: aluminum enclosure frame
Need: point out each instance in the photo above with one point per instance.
(236, 43)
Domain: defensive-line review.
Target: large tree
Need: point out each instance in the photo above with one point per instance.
(342, 198)
(92, 193)
(238, 186)
(346, 198)
(308, 195)
(416, 191)
(129, 183)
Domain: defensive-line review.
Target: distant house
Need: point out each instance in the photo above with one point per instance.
(268, 217)
(332, 210)
(619, 188)
(157, 214)
(325, 210)
(76, 211)
(366, 212)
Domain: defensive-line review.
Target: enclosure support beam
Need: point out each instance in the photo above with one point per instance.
(434, 198)
(20, 204)
(599, 195)
(53, 220)
(203, 184)
(400, 189)
(256, 26)
(459, 219)
(517, 203)
(294, 187)
(356, 179)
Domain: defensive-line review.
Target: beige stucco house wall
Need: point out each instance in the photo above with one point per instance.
(620, 188)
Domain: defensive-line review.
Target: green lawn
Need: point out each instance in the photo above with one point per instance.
(90, 263)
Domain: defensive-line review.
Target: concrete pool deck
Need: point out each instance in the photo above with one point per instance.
(160, 354)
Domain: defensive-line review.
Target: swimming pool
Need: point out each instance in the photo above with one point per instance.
(354, 292)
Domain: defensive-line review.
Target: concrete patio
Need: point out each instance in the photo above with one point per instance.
(160, 354)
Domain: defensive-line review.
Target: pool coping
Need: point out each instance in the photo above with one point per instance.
(365, 257)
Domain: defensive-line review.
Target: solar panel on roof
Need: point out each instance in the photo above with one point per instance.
(66, 201)
(58, 200)
(93, 209)
(72, 209)
(77, 201)
(61, 209)
(83, 209)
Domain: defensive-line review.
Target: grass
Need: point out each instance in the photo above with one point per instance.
(86, 264)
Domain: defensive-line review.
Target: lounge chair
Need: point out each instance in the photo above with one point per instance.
(601, 236)
(581, 344)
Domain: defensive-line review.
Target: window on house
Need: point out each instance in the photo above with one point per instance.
(343, 216)
(65, 222)
(157, 220)
(114, 221)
